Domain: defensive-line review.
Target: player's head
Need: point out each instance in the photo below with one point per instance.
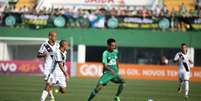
(64, 44)
(111, 43)
(52, 36)
(184, 48)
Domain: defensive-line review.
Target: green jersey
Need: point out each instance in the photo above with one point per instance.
(110, 59)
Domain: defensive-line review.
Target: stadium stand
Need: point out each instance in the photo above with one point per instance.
(26, 3)
(190, 4)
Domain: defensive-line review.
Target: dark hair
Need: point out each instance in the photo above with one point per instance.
(62, 42)
(110, 40)
(51, 33)
(183, 44)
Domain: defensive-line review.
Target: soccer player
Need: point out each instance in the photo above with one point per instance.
(110, 71)
(46, 52)
(184, 63)
(58, 74)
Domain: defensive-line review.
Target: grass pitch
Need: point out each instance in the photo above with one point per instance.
(29, 88)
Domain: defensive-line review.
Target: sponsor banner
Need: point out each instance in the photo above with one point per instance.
(31, 19)
(142, 72)
(92, 3)
(21, 67)
(99, 21)
(195, 23)
(135, 22)
(115, 2)
(24, 67)
(191, 23)
(151, 22)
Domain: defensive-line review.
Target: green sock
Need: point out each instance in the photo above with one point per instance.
(92, 95)
(120, 89)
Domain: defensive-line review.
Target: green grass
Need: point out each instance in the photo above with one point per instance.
(29, 88)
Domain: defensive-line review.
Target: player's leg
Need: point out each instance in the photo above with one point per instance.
(101, 83)
(186, 88)
(95, 91)
(121, 82)
(51, 95)
(62, 84)
(45, 92)
(48, 87)
(181, 82)
(62, 89)
(186, 84)
(46, 75)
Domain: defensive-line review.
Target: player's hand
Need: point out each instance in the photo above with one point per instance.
(45, 54)
(190, 62)
(42, 55)
(67, 77)
(112, 71)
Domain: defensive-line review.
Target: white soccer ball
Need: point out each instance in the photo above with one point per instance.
(150, 100)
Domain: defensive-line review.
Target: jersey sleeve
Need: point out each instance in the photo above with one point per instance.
(189, 57)
(42, 49)
(176, 58)
(104, 58)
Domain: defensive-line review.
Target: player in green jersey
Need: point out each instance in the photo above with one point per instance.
(110, 71)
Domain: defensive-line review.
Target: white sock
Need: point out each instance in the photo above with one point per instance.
(186, 85)
(51, 94)
(44, 95)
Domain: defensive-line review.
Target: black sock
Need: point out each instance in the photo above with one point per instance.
(120, 89)
(93, 94)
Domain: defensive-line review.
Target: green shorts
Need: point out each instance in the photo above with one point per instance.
(107, 77)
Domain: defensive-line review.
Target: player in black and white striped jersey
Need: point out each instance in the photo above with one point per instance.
(46, 52)
(58, 74)
(184, 63)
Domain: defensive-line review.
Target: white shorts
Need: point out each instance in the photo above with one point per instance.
(46, 71)
(184, 75)
(57, 80)
(46, 74)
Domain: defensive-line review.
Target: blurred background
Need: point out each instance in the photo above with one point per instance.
(148, 35)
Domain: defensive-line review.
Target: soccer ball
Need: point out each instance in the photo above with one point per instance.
(150, 100)
(56, 91)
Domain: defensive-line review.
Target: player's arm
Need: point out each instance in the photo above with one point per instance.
(105, 62)
(41, 52)
(106, 67)
(191, 62)
(118, 63)
(117, 59)
(176, 58)
(41, 55)
(58, 59)
(61, 66)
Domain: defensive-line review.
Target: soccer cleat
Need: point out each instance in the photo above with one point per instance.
(52, 99)
(117, 98)
(179, 90)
